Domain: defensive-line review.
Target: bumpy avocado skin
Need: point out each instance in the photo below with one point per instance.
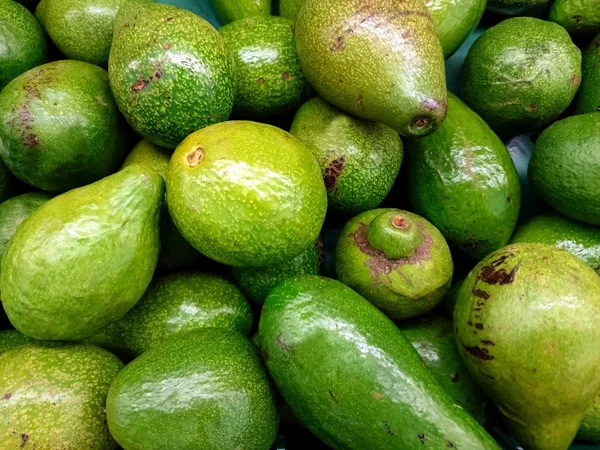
(564, 167)
(526, 322)
(588, 96)
(577, 16)
(205, 389)
(54, 397)
(290, 8)
(513, 7)
(521, 74)
(232, 10)
(170, 72)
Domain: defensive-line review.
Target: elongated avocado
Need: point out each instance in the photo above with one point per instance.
(232, 10)
(588, 96)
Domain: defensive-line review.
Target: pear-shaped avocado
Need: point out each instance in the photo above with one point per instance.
(577, 16)
(205, 389)
(526, 322)
(170, 72)
(588, 96)
(513, 7)
(290, 8)
(232, 10)
(380, 60)
(84, 258)
(246, 194)
(359, 159)
(10, 339)
(9, 184)
(396, 260)
(53, 396)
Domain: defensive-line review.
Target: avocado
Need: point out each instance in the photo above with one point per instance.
(85, 140)
(564, 167)
(359, 159)
(350, 375)
(9, 184)
(204, 389)
(588, 96)
(170, 72)
(577, 16)
(262, 200)
(513, 7)
(84, 258)
(590, 426)
(232, 10)
(53, 397)
(380, 60)
(526, 322)
(521, 74)
(10, 339)
(462, 179)
(290, 8)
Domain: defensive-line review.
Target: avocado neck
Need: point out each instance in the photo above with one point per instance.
(394, 234)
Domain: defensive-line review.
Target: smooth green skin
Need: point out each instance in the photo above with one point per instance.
(205, 389)
(290, 8)
(246, 194)
(352, 378)
(60, 127)
(590, 427)
(395, 236)
(269, 79)
(9, 184)
(394, 75)
(402, 288)
(23, 41)
(359, 159)
(588, 96)
(577, 16)
(513, 7)
(173, 304)
(84, 258)
(526, 323)
(521, 74)
(232, 10)
(53, 397)
(433, 339)
(170, 72)
(463, 180)
(10, 339)
(564, 166)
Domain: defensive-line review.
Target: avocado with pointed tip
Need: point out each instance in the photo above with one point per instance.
(588, 96)
(232, 10)
(513, 7)
(576, 16)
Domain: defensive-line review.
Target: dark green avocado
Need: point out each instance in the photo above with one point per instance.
(10, 339)
(577, 16)
(588, 97)
(232, 10)
(289, 8)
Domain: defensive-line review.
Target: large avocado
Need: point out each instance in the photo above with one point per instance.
(588, 97)
(232, 10)
(577, 16)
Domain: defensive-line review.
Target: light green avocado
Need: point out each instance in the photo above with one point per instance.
(232, 10)
(588, 96)
(577, 16)
(290, 8)
(84, 258)
(513, 7)
(10, 339)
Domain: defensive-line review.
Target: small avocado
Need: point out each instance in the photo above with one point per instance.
(53, 396)
(9, 184)
(170, 72)
(564, 167)
(84, 258)
(521, 74)
(526, 322)
(290, 8)
(588, 96)
(359, 159)
(232, 10)
(204, 389)
(513, 7)
(589, 429)
(577, 16)
(85, 140)
(10, 339)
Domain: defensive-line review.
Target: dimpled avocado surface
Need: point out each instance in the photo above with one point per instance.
(588, 97)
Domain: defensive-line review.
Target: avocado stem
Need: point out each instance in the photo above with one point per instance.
(394, 234)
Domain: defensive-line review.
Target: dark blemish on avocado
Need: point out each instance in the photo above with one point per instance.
(333, 172)
(32, 91)
(338, 44)
(388, 429)
(166, 46)
(194, 158)
(377, 396)
(168, 19)
(285, 76)
(449, 444)
(477, 352)
(577, 19)
(24, 439)
(421, 122)
(479, 293)
(282, 345)
(469, 323)
(491, 275)
(139, 85)
(488, 342)
(479, 326)
(341, 81)
(421, 437)
(261, 81)
(332, 396)
(361, 102)
(6, 396)
(576, 79)
(508, 199)
(532, 107)
(455, 377)
(27, 136)
(157, 75)
(293, 28)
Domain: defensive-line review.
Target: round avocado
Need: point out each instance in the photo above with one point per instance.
(521, 74)
(170, 72)
(246, 194)
(290, 8)
(233, 10)
(10, 339)
(588, 96)
(9, 184)
(513, 7)
(359, 159)
(576, 16)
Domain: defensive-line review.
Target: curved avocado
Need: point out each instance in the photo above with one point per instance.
(462, 179)
(290, 8)
(84, 258)
(513, 7)
(588, 96)
(398, 80)
(232, 10)
(589, 429)
(84, 142)
(9, 184)
(359, 159)
(521, 74)
(53, 396)
(10, 339)
(263, 200)
(170, 72)
(350, 375)
(205, 389)
(532, 350)
(577, 16)
(564, 167)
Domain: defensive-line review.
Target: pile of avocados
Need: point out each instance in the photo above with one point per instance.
(287, 233)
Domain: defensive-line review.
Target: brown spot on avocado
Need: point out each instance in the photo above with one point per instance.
(333, 172)
(455, 377)
(479, 293)
(332, 396)
(166, 46)
(24, 439)
(168, 19)
(361, 102)
(376, 395)
(532, 107)
(478, 352)
(338, 44)
(6, 396)
(421, 437)
(285, 76)
(400, 223)
(261, 81)
(194, 158)
(449, 444)
(139, 85)
(282, 345)
(388, 429)
(577, 18)
(576, 79)
(421, 122)
(491, 275)
(479, 326)
(488, 342)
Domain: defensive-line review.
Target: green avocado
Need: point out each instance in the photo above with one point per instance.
(84, 258)
(9, 184)
(170, 72)
(290, 8)
(590, 426)
(380, 60)
(513, 7)
(564, 167)
(359, 159)
(462, 179)
(53, 397)
(232, 10)
(85, 140)
(262, 199)
(205, 389)
(577, 16)
(588, 96)
(352, 378)
(521, 74)
(10, 339)
(526, 322)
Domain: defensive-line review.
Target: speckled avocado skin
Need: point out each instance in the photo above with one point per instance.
(170, 72)
(84, 258)
(290, 8)
(564, 166)
(205, 389)
(10, 339)
(359, 159)
(588, 96)
(526, 322)
(53, 397)
(246, 194)
(232, 10)
(462, 179)
(380, 60)
(577, 16)
(513, 7)
(350, 375)
(86, 138)
(9, 184)
(521, 74)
